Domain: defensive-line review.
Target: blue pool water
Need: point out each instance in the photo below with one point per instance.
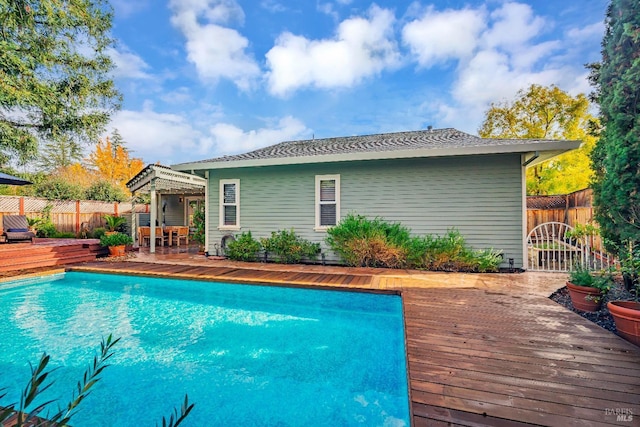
(246, 355)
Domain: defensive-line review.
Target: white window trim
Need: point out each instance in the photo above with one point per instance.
(319, 178)
(221, 224)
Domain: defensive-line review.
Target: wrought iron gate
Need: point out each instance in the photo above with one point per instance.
(550, 249)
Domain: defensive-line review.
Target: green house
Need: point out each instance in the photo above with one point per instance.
(429, 180)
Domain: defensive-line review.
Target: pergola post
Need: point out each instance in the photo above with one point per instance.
(154, 216)
(134, 225)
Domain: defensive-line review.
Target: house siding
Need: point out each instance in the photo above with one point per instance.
(481, 196)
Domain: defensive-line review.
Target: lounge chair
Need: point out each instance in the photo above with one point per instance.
(16, 228)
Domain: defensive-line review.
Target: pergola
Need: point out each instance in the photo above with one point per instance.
(157, 180)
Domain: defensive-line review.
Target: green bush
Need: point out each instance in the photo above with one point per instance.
(360, 241)
(244, 248)
(46, 229)
(98, 232)
(488, 261)
(364, 242)
(289, 248)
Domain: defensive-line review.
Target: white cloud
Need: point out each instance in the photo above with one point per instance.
(440, 36)
(513, 27)
(216, 50)
(595, 30)
(127, 64)
(361, 48)
(229, 139)
(157, 137)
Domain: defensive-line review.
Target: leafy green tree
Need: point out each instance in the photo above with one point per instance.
(54, 73)
(616, 157)
(58, 189)
(547, 113)
(104, 190)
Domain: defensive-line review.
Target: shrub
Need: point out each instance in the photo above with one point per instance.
(375, 243)
(98, 232)
(46, 229)
(448, 253)
(488, 261)
(360, 241)
(244, 248)
(289, 248)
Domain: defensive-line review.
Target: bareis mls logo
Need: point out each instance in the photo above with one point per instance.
(621, 414)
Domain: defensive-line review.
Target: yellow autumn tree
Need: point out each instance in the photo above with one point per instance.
(76, 173)
(113, 163)
(548, 113)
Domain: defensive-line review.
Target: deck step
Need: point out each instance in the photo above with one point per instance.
(26, 256)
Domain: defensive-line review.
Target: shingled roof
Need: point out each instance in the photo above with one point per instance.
(423, 143)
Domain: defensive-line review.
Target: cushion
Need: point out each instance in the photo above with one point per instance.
(17, 230)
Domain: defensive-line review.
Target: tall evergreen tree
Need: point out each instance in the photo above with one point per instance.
(54, 73)
(60, 154)
(616, 157)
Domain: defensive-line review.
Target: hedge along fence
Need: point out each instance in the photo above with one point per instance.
(69, 216)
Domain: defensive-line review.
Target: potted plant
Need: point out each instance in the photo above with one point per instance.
(626, 314)
(116, 242)
(587, 288)
(113, 223)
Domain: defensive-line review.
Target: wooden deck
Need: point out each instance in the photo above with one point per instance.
(478, 357)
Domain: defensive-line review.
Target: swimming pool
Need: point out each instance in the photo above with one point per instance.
(245, 354)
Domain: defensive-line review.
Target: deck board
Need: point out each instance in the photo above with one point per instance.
(477, 357)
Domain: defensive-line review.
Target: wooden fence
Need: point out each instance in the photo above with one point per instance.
(67, 215)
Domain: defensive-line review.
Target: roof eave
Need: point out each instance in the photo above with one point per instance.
(553, 148)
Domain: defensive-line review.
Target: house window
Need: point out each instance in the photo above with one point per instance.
(327, 201)
(230, 204)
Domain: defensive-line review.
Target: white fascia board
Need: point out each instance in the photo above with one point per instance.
(557, 147)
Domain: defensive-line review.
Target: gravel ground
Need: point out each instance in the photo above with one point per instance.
(601, 318)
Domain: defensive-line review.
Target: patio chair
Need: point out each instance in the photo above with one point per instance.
(144, 236)
(16, 228)
(182, 233)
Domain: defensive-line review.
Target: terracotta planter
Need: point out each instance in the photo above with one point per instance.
(116, 250)
(626, 314)
(585, 298)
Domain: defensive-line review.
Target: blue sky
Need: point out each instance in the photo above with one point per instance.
(205, 78)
